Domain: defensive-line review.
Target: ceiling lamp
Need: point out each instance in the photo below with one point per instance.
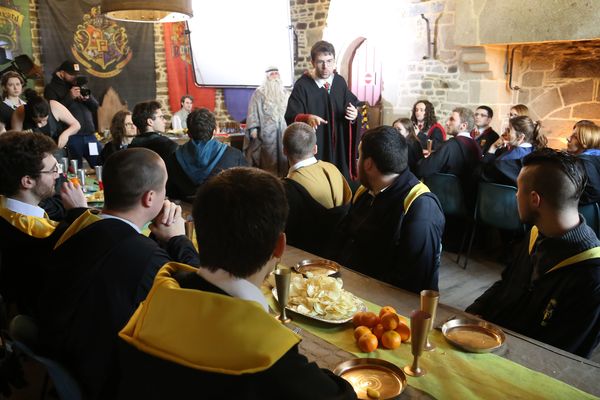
(148, 11)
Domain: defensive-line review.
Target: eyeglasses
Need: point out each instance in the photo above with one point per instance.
(54, 170)
(159, 116)
(481, 115)
(323, 63)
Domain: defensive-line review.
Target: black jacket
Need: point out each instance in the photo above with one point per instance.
(155, 142)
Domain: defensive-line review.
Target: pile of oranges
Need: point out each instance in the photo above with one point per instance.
(387, 328)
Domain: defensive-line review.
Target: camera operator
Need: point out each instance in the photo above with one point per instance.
(70, 88)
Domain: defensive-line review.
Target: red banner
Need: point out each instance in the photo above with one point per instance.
(180, 73)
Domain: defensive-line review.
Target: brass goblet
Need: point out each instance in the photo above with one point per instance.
(282, 285)
(429, 303)
(419, 321)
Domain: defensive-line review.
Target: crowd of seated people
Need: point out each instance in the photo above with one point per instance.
(90, 276)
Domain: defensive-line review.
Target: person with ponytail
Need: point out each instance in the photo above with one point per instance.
(502, 162)
(50, 118)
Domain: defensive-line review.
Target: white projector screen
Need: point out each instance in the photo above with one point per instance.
(234, 41)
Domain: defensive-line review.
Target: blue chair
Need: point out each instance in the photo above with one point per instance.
(591, 213)
(448, 189)
(496, 206)
(24, 332)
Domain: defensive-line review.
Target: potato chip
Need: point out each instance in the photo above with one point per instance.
(322, 296)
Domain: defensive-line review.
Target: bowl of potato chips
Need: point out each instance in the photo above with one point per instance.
(322, 298)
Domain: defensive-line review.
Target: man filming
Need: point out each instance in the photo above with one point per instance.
(70, 88)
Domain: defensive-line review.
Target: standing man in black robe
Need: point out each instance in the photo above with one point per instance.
(321, 98)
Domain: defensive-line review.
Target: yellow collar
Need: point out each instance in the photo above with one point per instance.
(36, 227)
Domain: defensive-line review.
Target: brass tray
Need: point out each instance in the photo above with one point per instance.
(291, 307)
(318, 266)
(381, 375)
(473, 335)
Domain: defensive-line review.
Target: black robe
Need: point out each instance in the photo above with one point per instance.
(378, 239)
(486, 139)
(310, 226)
(337, 140)
(155, 142)
(591, 193)
(292, 377)
(97, 279)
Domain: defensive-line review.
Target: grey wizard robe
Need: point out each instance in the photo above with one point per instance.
(266, 151)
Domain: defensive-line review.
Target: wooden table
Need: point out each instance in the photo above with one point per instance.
(569, 368)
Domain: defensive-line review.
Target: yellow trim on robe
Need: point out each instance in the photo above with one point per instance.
(324, 182)
(588, 254)
(39, 228)
(206, 331)
(412, 195)
(84, 220)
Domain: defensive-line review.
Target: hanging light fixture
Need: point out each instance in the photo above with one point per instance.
(147, 11)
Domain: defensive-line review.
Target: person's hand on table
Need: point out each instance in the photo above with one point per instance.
(351, 112)
(315, 120)
(72, 196)
(168, 223)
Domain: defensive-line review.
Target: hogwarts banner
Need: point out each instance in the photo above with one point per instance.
(111, 53)
(15, 33)
(180, 72)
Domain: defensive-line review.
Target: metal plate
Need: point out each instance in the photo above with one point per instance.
(319, 266)
(473, 336)
(291, 307)
(381, 375)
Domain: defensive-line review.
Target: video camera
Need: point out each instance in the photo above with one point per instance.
(22, 64)
(82, 82)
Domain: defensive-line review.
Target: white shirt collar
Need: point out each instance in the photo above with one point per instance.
(13, 106)
(303, 163)
(128, 222)
(236, 287)
(24, 208)
(525, 144)
(465, 134)
(321, 82)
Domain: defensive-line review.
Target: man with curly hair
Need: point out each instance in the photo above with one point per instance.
(28, 172)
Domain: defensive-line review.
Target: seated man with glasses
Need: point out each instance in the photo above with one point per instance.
(322, 100)
(150, 121)
(483, 133)
(28, 173)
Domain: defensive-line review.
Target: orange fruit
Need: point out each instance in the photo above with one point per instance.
(378, 331)
(385, 310)
(404, 320)
(367, 342)
(404, 331)
(370, 319)
(358, 318)
(391, 339)
(361, 330)
(390, 321)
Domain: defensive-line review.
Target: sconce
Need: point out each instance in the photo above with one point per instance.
(147, 11)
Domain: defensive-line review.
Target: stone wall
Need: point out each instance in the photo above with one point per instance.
(560, 83)
(309, 18)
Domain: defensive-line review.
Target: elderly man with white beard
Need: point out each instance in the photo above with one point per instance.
(265, 124)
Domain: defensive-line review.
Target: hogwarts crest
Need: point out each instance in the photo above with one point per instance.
(11, 20)
(101, 45)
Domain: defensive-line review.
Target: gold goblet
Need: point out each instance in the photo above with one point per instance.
(429, 303)
(282, 285)
(419, 321)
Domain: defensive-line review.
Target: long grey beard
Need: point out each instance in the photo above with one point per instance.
(276, 96)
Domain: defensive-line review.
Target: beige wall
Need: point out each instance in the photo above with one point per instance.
(518, 21)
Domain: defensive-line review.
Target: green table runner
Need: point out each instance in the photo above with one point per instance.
(452, 374)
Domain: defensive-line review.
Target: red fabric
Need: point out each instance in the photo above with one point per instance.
(302, 118)
(437, 125)
(178, 57)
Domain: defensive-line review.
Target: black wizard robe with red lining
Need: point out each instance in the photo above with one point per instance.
(337, 141)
